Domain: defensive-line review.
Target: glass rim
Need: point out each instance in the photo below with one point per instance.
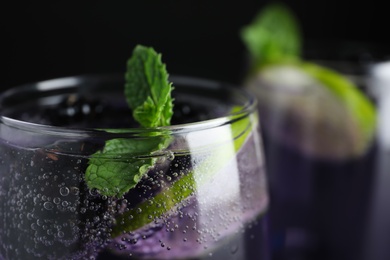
(73, 81)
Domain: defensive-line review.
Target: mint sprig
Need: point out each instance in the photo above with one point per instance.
(273, 36)
(117, 168)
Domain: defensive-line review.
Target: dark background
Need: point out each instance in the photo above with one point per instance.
(43, 40)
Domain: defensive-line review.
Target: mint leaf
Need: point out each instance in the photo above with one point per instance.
(147, 89)
(273, 36)
(122, 162)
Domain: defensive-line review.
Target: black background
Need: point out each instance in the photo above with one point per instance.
(43, 40)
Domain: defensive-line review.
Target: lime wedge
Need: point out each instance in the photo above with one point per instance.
(314, 109)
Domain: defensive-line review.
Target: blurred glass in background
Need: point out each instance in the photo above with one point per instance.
(322, 124)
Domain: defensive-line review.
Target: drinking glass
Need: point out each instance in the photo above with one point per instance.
(205, 197)
(321, 195)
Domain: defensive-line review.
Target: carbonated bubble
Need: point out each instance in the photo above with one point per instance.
(48, 205)
(64, 191)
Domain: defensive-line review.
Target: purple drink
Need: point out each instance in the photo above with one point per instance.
(205, 197)
(321, 171)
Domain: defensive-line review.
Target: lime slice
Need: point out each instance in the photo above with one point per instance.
(314, 109)
(164, 203)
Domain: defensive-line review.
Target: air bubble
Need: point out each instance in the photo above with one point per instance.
(170, 155)
(39, 222)
(33, 226)
(234, 249)
(64, 191)
(75, 190)
(29, 216)
(48, 205)
(93, 192)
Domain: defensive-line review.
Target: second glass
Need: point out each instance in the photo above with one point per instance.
(321, 190)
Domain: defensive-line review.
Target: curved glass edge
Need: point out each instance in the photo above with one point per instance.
(68, 82)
